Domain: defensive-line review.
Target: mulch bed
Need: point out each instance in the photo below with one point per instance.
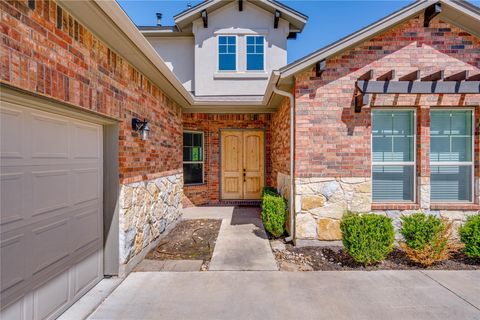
(189, 240)
(336, 259)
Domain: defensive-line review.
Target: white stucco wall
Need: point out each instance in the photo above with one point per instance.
(230, 21)
(178, 53)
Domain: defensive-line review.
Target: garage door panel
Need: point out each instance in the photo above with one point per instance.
(86, 272)
(51, 296)
(11, 124)
(15, 311)
(50, 190)
(50, 244)
(86, 228)
(81, 134)
(11, 202)
(49, 136)
(13, 264)
(86, 185)
(52, 216)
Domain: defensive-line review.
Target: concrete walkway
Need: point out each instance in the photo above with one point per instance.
(242, 244)
(295, 295)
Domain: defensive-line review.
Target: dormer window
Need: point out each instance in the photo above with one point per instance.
(227, 53)
(255, 53)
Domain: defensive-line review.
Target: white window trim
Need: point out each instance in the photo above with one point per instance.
(409, 163)
(462, 163)
(196, 162)
(218, 53)
(264, 53)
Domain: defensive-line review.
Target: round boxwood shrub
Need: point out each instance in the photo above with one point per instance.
(368, 238)
(427, 238)
(274, 212)
(470, 236)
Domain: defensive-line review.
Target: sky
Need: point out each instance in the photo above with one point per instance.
(328, 21)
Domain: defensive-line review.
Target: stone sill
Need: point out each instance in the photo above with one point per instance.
(395, 206)
(194, 185)
(455, 206)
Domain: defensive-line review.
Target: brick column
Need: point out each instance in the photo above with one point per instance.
(423, 156)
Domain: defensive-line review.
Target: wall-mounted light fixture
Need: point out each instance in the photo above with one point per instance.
(142, 126)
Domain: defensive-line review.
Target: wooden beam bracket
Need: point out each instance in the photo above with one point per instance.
(320, 67)
(419, 87)
(292, 35)
(436, 76)
(366, 76)
(390, 75)
(361, 100)
(277, 16)
(205, 18)
(459, 76)
(240, 5)
(412, 76)
(431, 12)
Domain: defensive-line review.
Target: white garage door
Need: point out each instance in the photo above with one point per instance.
(51, 211)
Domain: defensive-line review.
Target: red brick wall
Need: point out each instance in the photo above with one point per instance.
(72, 65)
(210, 125)
(334, 141)
(281, 141)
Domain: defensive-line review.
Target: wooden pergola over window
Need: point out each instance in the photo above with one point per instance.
(460, 82)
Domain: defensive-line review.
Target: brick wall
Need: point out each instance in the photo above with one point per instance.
(281, 141)
(333, 143)
(210, 125)
(333, 140)
(67, 62)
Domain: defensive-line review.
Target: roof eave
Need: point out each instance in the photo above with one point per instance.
(376, 28)
(295, 18)
(111, 24)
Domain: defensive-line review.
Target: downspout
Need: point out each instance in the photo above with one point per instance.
(291, 201)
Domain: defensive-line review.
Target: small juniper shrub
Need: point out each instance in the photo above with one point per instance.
(368, 238)
(274, 212)
(427, 238)
(470, 236)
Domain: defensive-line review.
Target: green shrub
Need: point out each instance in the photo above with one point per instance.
(470, 236)
(274, 212)
(419, 229)
(368, 238)
(427, 239)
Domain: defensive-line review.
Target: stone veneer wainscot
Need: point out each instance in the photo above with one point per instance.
(146, 209)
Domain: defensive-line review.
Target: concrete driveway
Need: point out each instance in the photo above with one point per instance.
(295, 295)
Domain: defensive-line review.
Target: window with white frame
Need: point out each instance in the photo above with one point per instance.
(192, 157)
(393, 155)
(451, 155)
(227, 53)
(255, 53)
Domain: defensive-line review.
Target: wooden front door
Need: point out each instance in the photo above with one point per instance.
(242, 167)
